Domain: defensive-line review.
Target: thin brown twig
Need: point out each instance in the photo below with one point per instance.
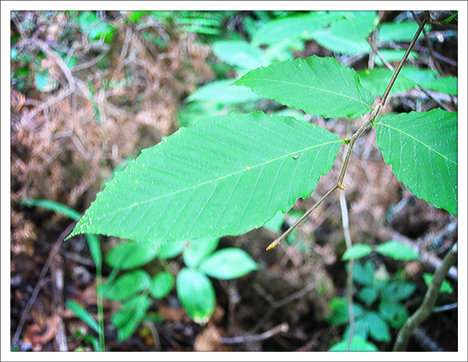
(397, 72)
(282, 328)
(429, 46)
(438, 22)
(379, 54)
(434, 99)
(421, 49)
(313, 342)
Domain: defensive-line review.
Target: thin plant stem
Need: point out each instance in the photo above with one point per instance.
(102, 342)
(379, 54)
(275, 243)
(397, 71)
(434, 21)
(349, 280)
(427, 306)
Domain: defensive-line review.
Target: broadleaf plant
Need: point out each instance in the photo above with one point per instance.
(229, 174)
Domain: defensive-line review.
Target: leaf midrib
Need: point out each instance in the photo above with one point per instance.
(217, 179)
(417, 140)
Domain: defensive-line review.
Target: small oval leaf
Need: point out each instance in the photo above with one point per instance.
(83, 314)
(228, 263)
(170, 249)
(357, 251)
(162, 284)
(131, 254)
(130, 315)
(398, 290)
(395, 313)
(397, 250)
(198, 249)
(196, 294)
(378, 329)
(126, 285)
(445, 287)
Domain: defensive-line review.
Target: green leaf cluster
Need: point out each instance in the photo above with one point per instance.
(194, 289)
(375, 285)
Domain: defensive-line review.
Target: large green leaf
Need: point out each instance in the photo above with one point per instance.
(422, 150)
(316, 85)
(292, 27)
(348, 36)
(447, 85)
(222, 176)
